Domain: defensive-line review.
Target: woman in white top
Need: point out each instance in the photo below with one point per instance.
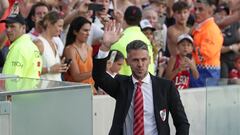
(52, 24)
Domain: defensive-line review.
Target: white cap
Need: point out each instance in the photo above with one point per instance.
(184, 36)
(146, 24)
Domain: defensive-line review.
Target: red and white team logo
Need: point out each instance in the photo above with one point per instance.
(163, 114)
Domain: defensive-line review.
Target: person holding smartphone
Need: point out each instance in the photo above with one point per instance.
(79, 52)
(182, 65)
(53, 65)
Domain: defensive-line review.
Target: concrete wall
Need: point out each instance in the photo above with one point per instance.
(214, 112)
(5, 118)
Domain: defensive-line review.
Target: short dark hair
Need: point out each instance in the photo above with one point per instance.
(38, 4)
(135, 45)
(30, 23)
(179, 6)
(133, 15)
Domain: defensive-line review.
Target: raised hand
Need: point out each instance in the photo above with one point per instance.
(83, 7)
(112, 33)
(118, 15)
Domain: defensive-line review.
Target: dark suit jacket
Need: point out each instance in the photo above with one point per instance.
(165, 96)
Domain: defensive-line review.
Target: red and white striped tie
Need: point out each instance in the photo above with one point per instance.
(138, 125)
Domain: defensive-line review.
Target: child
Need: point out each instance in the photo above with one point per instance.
(114, 68)
(180, 13)
(235, 72)
(179, 66)
(159, 60)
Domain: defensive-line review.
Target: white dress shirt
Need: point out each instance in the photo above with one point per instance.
(150, 127)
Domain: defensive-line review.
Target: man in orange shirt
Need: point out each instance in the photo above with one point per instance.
(208, 42)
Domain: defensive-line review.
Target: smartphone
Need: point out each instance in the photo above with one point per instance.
(189, 55)
(95, 7)
(112, 57)
(67, 61)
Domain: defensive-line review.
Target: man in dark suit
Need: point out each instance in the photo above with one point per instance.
(155, 96)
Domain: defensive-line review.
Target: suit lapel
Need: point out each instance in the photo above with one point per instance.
(156, 93)
(130, 89)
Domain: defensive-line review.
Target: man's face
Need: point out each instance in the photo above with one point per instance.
(105, 4)
(138, 60)
(40, 12)
(181, 17)
(202, 12)
(14, 30)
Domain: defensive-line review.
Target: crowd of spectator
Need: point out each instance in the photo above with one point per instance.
(188, 40)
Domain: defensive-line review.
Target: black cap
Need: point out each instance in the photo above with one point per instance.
(133, 13)
(14, 18)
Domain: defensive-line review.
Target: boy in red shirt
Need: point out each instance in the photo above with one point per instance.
(181, 65)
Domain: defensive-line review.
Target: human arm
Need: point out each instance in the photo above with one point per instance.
(171, 42)
(234, 47)
(101, 77)
(14, 64)
(232, 18)
(114, 4)
(177, 111)
(118, 16)
(169, 8)
(112, 32)
(82, 10)
(137, 3)
(56, 68)
(193, 68)
(228, 20)
(171, 71)
(4, 4)
(71, 53)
